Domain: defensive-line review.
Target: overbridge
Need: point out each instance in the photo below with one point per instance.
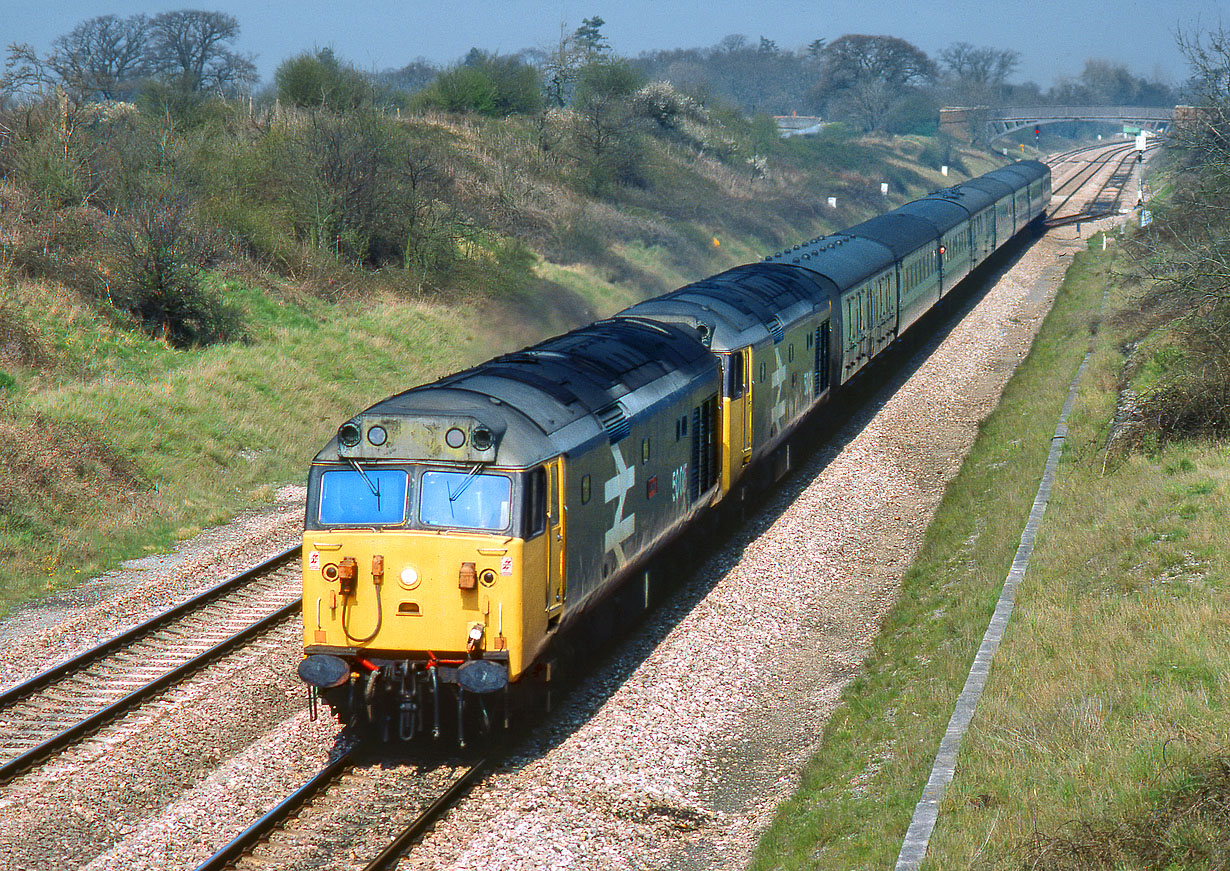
(984, 124)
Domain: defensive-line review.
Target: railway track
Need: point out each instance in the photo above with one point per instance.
(58, 707)
(1085, 172)
(1110, 193)
(266, 844)
(1106, 200)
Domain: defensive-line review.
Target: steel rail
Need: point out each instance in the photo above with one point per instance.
(1106, 211)
(1088, 171)
(284, 810)
(1062, 156)
(389, 855)
(1118, 181)
(280, 813)
(51, 675)
(1125, 155)
(36, 754)
(1084, 170)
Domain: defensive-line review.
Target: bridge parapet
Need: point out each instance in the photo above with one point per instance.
(987, 124)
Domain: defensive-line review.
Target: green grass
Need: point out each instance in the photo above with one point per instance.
(1100, 740)
(1109, 692)
(858, 792)
(205, 432)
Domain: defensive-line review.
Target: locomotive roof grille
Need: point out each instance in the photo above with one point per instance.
(615, 421)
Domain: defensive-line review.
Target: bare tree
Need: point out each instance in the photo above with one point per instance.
(981, 65)
(867, 101)
(977, 75)
(867, 78)
(561, 65)
(894, 61)
(190, 47)
(25, 71)
(104, 57)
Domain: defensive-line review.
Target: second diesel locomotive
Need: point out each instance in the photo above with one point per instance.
(456, 530)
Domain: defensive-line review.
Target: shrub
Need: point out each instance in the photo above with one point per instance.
(486, 84)
(606, 135)
(667, 107)
(320, 80)
(160, 258)
(46, 155)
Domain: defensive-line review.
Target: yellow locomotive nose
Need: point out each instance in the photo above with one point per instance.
(455, 596)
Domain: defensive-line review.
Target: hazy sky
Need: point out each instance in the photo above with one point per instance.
(1054, 37)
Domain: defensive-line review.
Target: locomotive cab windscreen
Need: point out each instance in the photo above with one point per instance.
(423, 497)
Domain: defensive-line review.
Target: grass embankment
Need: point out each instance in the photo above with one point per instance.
(1099, 741)
(114, 443)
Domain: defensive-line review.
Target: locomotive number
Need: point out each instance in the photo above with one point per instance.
(679, 483)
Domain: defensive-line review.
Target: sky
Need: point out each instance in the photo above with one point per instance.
(1054, 37)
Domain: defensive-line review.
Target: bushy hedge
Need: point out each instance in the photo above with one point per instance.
(486, 84)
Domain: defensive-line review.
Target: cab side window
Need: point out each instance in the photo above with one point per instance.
(535, 503)
(732, 371)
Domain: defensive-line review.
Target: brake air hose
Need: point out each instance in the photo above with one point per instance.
(379, 620)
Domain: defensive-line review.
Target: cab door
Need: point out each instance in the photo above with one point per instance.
(556, 538)
(746, 354)
(736, 415)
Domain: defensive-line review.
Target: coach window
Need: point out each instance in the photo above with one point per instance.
(645, 450)
(790, 353)
(585, 489)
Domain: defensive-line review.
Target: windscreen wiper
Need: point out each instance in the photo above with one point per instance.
(373, 487)
(469, 478)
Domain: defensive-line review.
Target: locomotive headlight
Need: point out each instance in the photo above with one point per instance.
(349, 434)
(481, 438)
(409, 577)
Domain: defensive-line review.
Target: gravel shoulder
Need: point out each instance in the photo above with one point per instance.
(673, 754)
